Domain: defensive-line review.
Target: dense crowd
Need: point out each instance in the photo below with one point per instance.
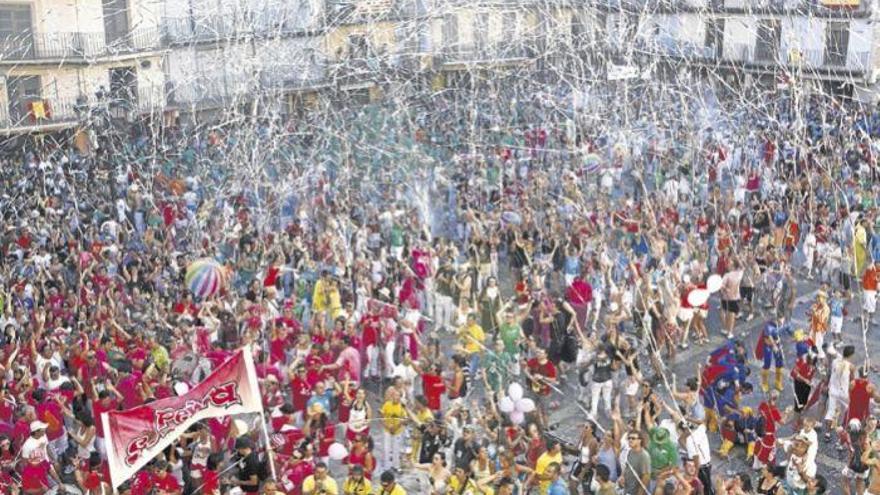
(429, 283)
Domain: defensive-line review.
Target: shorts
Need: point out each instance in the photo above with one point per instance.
(869, 301)
(836, 324)
(849, 473)
(746, 293)
(685, 314)
(730, 306)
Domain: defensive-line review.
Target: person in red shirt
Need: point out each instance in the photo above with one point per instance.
(163, 482)
(765, 447)
(433, 387)
(300, 389)
(103, 401)
(542, 378)
(35, 476)
(869, 284)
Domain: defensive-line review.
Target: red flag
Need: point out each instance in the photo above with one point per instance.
(137, 435)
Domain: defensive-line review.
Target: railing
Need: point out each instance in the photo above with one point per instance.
(294, 76)
(182, 30)
(495, 52)
(25, 113)
(857, 61)
(808, 59)
(671, 47)
(76, 45)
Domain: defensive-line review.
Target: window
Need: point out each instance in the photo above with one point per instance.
(510, 24)
(715, 36)
(481, 30)
(20, 92)
(450, 32)
(123, 85)
(115, 20)
(357, 46)
(767, 44)
(16, 38)
(836, 43)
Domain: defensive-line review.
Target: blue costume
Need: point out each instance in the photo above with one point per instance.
(769, 351)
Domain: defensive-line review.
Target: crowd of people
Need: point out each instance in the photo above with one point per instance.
(430, 283)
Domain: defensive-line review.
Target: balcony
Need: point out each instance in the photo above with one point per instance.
(37, 114)
(497, 53)
(292, 78)
(675, 48)
(75, 47)
(272, 23)
(858, 62)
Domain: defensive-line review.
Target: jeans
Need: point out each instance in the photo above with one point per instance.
(474, 364)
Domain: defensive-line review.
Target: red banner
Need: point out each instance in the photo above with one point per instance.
(137, 435)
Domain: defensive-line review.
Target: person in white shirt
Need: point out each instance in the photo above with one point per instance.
(37, 444)
(838, 388)
(696, 443)
(800, 469)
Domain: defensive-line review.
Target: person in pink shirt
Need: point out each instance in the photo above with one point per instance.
(129, 386)
(348, 363)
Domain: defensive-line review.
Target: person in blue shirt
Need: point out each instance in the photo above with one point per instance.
(557, 485)
(769, 350)
(837, 307)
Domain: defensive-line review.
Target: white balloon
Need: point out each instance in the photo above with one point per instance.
(698, 297)
(506, 405)
(337, 451)
(713, 283)
(525, 405)
(517, 417)
(515, 391)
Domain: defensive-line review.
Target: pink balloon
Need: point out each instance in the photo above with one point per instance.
(517, 417)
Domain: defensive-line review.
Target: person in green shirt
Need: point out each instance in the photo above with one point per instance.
(498, 366)
(396, 241)
(511, 334)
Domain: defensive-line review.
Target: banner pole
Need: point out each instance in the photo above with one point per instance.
(252, 379)
(108, 449)
(270, 453)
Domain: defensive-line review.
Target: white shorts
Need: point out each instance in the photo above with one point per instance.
(869, 301)
(685, 314)
(836, 324)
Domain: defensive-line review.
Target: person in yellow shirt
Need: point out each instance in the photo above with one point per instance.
(543, 473)
(320, 483)
(461, 482)
(421, 416)
(388, 486)
(356, 483)
(326, 297)
(393, 414)
(471, 338)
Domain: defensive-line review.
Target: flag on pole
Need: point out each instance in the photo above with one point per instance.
(137, 435)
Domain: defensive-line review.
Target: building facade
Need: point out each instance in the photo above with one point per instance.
(60, 60)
